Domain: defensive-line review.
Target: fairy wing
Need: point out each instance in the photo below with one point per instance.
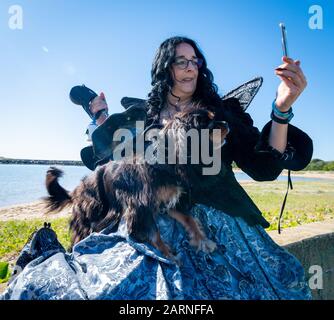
(246, 92)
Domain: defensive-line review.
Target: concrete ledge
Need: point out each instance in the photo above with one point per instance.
(313, 245)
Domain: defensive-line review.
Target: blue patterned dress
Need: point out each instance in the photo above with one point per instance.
(247, 264)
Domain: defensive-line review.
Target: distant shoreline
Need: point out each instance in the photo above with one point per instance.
(41, 162)
(304, 173)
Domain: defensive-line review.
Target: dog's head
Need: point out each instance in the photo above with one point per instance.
(191, 137)
(200, 119)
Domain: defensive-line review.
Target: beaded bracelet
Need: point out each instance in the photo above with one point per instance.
(275, 114)
(279, 113)
(279, 120)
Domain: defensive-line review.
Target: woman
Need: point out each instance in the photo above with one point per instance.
(247, 263)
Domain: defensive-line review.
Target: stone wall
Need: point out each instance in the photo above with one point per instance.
(313, 246)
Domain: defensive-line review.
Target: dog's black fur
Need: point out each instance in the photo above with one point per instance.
(136, 192)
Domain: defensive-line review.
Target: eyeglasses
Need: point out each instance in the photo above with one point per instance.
(184, 63)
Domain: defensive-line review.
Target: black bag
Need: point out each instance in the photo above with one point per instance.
(41, 242)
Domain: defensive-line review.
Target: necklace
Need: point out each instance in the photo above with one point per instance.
(169, 106)
(178, 107)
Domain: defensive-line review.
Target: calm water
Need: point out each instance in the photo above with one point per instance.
(25, 183)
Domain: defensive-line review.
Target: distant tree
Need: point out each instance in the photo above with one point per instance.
(329, 166)
(319, 165)
(314, 165)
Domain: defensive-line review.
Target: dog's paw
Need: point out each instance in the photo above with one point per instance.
(208, 246)
(205, 245)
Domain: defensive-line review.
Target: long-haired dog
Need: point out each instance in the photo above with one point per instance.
(137, 190)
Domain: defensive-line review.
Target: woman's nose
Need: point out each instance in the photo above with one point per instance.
(190, 66)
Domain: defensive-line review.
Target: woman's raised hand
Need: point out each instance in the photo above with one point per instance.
(292, 85)
(97, 104)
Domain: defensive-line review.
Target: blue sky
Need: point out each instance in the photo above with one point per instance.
(110, 45)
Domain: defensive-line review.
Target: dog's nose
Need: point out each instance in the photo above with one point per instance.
(222, 124)
(211, 115)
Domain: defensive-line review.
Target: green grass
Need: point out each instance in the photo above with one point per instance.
(4, 272)
(307, 202)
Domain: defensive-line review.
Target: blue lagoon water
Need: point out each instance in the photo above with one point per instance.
(26, 183)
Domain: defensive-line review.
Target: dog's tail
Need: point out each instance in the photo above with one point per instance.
(58, 197)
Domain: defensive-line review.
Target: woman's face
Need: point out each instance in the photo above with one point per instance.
(184, 77)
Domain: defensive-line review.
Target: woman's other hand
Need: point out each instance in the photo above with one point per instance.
(292, 85)
(97, 104)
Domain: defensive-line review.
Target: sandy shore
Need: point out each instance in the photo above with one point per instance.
(311, 174)
(306, 174)
(26, 211)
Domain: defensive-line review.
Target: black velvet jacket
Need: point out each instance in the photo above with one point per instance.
(245, 145)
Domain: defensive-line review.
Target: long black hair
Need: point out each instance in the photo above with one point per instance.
(162, 82)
